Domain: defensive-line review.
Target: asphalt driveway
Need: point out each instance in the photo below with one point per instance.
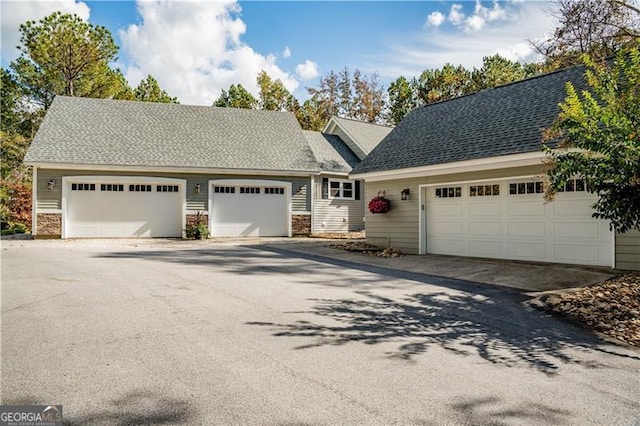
(121, 332)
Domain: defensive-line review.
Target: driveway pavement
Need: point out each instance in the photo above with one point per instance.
(171, 332)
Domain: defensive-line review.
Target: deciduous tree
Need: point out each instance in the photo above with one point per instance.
(403, 98)
(273, 95)
(598, 139)
(595, 27)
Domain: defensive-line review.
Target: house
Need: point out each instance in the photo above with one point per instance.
(471, 172)
(337, 202)
(105, 168)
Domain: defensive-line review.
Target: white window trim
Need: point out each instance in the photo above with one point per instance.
(342, 182)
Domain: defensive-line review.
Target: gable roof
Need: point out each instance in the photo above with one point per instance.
(331, 152)
(83, 131)
(504, 120)
(360, 136)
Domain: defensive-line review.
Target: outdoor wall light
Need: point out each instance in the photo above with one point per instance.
(405, 194)
(381, 193)
(197, 188)
(51, 184)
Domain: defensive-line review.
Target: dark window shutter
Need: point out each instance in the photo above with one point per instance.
(325, 188)
(357, 191)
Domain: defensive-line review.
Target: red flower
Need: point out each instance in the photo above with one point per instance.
(379, 205)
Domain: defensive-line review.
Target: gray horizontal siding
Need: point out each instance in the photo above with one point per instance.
(398, 227)
(628, 250)
(301, 200)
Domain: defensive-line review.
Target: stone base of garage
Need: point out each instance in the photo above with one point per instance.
(195, 219)
(49, 225)
(301, 224)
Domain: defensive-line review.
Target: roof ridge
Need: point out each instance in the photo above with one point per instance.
(362, 122)
(500, 86)
(164, 104)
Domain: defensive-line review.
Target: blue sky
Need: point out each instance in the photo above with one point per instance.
(197, 48)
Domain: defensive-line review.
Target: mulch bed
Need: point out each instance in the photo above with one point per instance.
(611, 308)
(368, 249)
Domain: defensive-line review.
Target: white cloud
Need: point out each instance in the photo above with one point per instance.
(507, 37)
(286, 53)
(307, 70)
(482, 15)
(456, 16)
(15, 13)
(435, 19)
(194, 50)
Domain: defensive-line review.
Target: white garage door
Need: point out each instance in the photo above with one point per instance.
(123, 209)
(259, 209)
(509, 220)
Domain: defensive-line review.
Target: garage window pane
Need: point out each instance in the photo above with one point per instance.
(140, 188)
(274, 191)
(83, 186)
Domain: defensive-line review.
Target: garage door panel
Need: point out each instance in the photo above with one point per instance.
(526, 229)
(575, 230)
(449, 228)
(574, 252)
(485, 248)
(564, 207)
(447, 246)
(485, 209)
(485, 228)
(526, 208)
(517, 225)
(448, 210)
(527, 250)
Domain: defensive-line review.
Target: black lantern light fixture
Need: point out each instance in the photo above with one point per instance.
(405, 194)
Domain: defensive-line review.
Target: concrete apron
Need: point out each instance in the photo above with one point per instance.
(524, 276)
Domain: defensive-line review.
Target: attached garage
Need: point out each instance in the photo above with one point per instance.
(249, 208)
(508, 219)
(122, 207)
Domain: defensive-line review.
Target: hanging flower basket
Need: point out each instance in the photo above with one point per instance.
(379, 204)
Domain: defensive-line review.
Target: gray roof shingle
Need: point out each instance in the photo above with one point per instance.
(366, 135)
(332, 153)
(504, 120)
(126, 133)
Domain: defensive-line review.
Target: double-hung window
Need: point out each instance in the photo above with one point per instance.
(342, 189)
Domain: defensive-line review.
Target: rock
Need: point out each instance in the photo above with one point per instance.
(612, 307)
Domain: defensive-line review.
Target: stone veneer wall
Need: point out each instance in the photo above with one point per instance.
(49, 225)
(192, 218)
(301, 224)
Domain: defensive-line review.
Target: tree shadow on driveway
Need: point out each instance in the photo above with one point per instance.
(474, 319)
(463, 317)
(463, 324)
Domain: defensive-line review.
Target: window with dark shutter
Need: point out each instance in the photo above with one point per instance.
(357, 192)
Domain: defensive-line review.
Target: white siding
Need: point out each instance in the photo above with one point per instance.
(338, 215)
